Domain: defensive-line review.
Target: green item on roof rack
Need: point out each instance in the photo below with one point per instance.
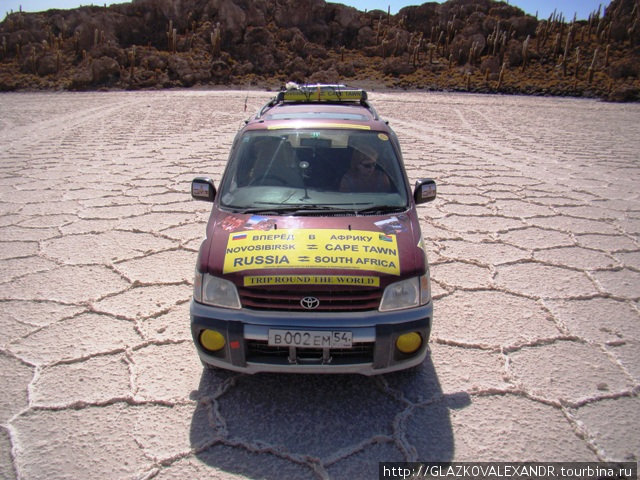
(322, 93)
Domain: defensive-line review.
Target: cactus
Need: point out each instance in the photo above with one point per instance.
(441, 42)
(556, 45)
(599, 28)
(501, 76)
(132, 61)
(592, 67)
(216, 38)
(172, 38)
(418, 49)
(385, 44)
(451, 33)
(525, 52)
(539, 35)
(571, 36)
(474, 53)
(496, 36)
(566, 54)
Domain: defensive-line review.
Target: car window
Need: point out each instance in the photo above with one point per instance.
(329, 167)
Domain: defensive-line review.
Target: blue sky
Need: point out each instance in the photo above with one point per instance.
(543, 7)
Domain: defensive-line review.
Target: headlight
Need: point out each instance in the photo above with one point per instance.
(406, 294)
(215, 291)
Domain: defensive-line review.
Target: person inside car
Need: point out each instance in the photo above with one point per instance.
(363, 174)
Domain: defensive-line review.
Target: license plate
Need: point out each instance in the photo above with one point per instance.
(310, 339)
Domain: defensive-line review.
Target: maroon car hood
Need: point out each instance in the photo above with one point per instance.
(257, 250)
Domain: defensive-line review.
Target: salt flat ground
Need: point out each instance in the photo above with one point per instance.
(534, 243)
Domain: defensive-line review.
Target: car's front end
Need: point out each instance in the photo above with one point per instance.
(313, 299)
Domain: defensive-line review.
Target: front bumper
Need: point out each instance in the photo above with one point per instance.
(374, 337)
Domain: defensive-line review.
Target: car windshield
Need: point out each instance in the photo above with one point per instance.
(310, 170)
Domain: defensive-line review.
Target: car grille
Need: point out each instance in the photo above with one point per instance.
(330, 300)
(258, 351)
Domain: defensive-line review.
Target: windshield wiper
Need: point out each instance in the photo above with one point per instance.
(312, 209)
(381, 209)
(276, 209)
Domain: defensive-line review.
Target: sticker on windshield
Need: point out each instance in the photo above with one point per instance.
(311, 248)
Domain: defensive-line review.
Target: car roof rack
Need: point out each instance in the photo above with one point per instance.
(319, 93)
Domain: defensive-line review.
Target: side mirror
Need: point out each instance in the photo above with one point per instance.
(202, 188)
(425, 190)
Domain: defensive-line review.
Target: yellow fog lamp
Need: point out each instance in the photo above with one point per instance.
(409, 342)
(212, 340)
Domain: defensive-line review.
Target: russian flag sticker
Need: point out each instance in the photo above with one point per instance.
(239, 236)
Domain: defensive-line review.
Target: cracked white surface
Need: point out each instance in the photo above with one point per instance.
(535, 248)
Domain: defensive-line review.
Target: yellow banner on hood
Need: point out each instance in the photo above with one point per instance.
(309, 248)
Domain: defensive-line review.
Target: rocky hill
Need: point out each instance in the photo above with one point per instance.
(465, 45)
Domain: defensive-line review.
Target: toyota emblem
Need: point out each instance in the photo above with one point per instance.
(309, 303)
